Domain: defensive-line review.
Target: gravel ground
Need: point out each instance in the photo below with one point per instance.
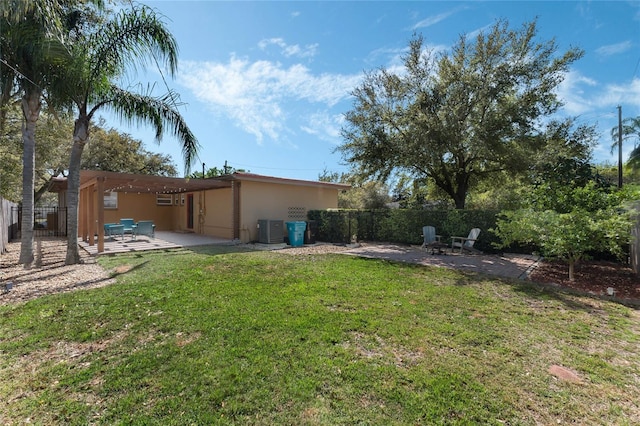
(48, 274)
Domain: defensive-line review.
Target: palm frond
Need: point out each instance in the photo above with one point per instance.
(133, 38)
(158, 111)
(630, 126)
(46, 12)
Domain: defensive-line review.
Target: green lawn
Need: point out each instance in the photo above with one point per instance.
(220, 336)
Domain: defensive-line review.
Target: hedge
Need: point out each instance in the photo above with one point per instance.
(402, 225)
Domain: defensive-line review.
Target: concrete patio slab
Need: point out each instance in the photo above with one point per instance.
(508, 265)
(163, 240)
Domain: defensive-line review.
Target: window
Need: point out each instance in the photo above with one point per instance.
(164, 199)
(110, 200)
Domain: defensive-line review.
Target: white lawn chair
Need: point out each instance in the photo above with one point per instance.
(431, 240)
(465, 243)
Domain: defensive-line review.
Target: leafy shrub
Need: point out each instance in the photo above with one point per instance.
(403, 226)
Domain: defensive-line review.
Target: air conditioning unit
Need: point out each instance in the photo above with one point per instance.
(270, 231)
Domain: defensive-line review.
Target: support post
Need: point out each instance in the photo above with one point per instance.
(100, 200)
(619, 146)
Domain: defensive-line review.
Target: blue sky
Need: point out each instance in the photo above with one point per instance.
(265, 84)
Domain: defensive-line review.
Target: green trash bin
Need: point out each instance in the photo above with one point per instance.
(296, 233)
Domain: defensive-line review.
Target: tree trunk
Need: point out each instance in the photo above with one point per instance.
(458, 194)
(80, 137)
(459, 201)
(572, 264)
(31, 110)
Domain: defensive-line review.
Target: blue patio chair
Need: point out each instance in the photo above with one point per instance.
(128, 224)
(113, 229)
(145, 227)
(107, 229)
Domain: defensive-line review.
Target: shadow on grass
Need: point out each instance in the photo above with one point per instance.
(117, 272)
(215, 250)
(573, 299)
(208, 250)
(568, 295)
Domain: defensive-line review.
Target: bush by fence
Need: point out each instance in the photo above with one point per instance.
(403, 226)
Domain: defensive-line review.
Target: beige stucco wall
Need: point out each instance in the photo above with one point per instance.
(214, 208)
(259, 200)
(141, 207)
(212, 211)
(218, 213)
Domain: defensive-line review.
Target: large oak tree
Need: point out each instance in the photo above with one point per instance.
(114, 151)
(459, 117)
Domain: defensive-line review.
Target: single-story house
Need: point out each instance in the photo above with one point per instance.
(228, 206)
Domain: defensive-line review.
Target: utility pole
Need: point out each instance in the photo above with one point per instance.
(203, 175)
(619, 146)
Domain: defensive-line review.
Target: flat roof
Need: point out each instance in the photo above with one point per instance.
(242, 176)
(126, 182)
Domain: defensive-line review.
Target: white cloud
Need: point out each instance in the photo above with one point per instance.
(390, 56)
(572, 92)
(432, 20)
(289, 50)
(614, 49)
(583, 94)
(475, 33)
(325, 126)
(627, 94)
(256, 95)
(596, 104)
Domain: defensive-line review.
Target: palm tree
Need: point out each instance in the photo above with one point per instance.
(630, 127)
(29, 33)
(131, 37)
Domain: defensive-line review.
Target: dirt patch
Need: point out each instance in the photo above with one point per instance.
(599, 278)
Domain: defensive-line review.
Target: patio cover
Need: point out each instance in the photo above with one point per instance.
(93, 182)
(124, 182)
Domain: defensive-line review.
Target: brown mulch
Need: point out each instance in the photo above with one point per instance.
(48, 274)
(592, 277)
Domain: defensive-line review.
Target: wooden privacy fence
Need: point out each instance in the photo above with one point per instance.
(6, 222)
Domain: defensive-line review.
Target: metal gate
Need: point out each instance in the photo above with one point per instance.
(47, 222)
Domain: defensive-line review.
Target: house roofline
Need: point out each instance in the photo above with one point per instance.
(252, 177)
(128, 182)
